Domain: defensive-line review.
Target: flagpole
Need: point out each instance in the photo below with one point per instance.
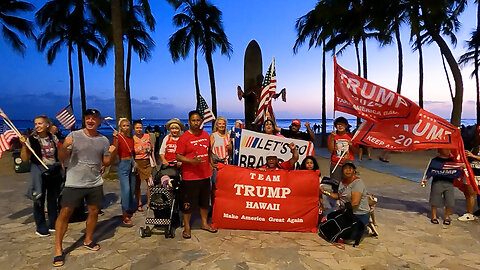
(343, 154)
(12, 126)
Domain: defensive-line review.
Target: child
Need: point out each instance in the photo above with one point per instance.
(443, 170)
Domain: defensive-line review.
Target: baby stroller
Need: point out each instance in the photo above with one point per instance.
(163, 210)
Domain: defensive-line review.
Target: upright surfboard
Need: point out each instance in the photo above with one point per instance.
(252, 82)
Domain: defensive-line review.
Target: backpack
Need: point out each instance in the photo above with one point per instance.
(341, 224)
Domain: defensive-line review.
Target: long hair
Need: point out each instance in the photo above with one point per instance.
(119, 124)
(216, 122)
(273, 124)
(303, 166)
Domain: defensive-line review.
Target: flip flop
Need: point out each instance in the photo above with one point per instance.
(210, 229)
(59, 260)
(447, 221)
(434, 221)
(186, 235)
(92, 246)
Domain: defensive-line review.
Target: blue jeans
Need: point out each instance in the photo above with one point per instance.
(50, 189)
(127, 184)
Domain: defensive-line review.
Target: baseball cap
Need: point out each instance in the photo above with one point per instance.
(93, 112)
(296, 122)
(341, 120)
(349, 163)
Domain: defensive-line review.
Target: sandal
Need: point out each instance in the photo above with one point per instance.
(140, 208)
(434, 221)
(92, 246)
(209, 229)
(186, 235)
(59, 260)
(447, 222)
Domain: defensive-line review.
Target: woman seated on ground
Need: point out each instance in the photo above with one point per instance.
(169, 143)
(310, 163)
(352, 190)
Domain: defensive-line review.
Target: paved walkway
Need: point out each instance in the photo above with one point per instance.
(407, 238)
(382, 167)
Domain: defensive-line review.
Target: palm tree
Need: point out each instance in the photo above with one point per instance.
(314, 25)
(189, 33)
(441, 17)
(473, 56)
(66, 23)
(208, 21)
(9, 21)
(413, 16)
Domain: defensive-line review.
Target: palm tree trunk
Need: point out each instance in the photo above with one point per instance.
(420, 71)
(195, 71)
(364, 45)
(400, 58)
(359, 65)
(208, 58)
(122, 104)
(324, 100)
(70, 73)
(456, 115)
(82, 83)
(128, 70)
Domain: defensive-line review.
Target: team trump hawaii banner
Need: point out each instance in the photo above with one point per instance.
(251, 148)
(252, 199)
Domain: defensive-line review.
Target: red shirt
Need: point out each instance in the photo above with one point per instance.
(340, 146)
(190, 146)
(125, 146)
(170, 149)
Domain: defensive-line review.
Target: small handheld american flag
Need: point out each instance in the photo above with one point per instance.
(66, 117)
(6, 138)
(205, 112)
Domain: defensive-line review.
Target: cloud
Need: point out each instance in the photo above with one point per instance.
(153, 98)
(27, 106)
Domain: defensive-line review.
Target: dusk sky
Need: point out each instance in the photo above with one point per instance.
(163, 89)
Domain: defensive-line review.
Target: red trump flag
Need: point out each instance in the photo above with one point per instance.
(360, 97)
(252, 199)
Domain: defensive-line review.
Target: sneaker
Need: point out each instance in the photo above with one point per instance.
(51, 230)
(42, 234)
(467, 217)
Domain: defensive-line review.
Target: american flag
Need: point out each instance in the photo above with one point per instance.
(66, 117)
(205, 112)
(268, 90)
(5, 139)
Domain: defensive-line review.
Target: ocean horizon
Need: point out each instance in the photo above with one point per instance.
(23, 125)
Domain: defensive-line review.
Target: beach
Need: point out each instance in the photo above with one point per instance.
(406, 238)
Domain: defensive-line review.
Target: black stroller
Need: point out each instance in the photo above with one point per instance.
(163, 210)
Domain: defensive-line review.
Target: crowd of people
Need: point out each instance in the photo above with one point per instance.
(68, 174)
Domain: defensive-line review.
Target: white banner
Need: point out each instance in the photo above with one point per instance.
(251, 148)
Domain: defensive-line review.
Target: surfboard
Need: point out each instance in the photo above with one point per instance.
(252, 82)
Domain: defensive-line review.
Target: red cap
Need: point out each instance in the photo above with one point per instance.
(296, 122)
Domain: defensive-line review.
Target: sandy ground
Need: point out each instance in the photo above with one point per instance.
(407, 238)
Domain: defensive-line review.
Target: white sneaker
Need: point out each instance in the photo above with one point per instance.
(51, 230)
(41, 234)
(467, 217)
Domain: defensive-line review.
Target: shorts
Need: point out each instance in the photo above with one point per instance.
(73, 197)
(195, 194)
(442, 194)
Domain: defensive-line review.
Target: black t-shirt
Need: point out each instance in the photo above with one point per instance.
(295, 135)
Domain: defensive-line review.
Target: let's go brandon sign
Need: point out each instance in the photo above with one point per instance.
(251, 148)
(266, 200)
